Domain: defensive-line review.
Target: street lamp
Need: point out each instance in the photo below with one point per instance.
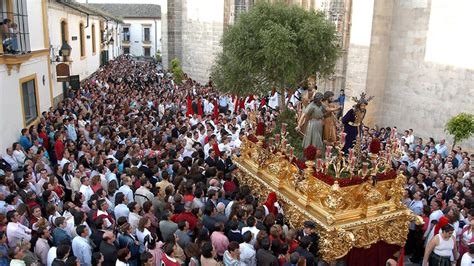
(66, 49)
(111, 41)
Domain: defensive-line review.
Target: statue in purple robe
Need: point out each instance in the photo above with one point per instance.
(353, 119)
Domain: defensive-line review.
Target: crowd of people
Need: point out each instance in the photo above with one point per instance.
(134, 169)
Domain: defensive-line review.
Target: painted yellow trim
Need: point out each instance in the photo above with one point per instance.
(45, 24)
(21, 81)
(19, 59)
(146, 25)
(50, 84)
(10, 10)
(146, 44)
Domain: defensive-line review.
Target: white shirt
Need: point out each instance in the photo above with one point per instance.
(254, 231)
(19, 157)
(434, 216)
(86, 191)
(121, 210)
(247, 255)
(51, 255)
(12, 161)
(467, 260)
(16, 232)
(127, 191)
(133, 219)
(141, 238)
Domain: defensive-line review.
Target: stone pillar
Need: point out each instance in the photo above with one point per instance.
(378, 59)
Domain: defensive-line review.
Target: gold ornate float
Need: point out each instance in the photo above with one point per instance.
(357, 210)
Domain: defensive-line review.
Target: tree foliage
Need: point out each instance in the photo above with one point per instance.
(274, 46)
(177, 71)
(461, 127)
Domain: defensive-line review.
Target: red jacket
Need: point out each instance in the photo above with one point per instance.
(186, 216)
(59, 149)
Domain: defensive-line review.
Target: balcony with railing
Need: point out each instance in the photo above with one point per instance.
(14, 33)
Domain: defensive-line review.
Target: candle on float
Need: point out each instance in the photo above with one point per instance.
(328, 151)
(283, 143)
(291, 151)
(270, 142)
(351, 154)
(388, 158)
(277, 138)
(353, 162)
(343, 137)
(320, 162)
(392, 134)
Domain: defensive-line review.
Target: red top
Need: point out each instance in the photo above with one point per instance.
(185, 216)
(229, 186)
(59, 149)
(293, 246)
(188, 197)
(168, 262)
(44, 137)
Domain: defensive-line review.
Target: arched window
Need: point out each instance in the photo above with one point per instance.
(82, 40)
(93, 38)
(64, 32)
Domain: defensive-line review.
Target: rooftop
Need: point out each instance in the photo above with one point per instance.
(130, 10)
(88, 9)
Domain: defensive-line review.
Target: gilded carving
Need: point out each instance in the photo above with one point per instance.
(337, 210)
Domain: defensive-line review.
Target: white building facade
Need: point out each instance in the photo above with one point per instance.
(25, 84)
(30, 38)
(92, 35)
(140, 33)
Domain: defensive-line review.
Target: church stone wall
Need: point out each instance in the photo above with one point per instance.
(194, 29)
(420, 94)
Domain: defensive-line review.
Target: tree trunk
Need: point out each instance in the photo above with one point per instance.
(282, 101)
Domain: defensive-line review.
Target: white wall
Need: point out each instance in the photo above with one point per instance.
(82, 67)
(136, 35)
(11, 116)
(35, 24)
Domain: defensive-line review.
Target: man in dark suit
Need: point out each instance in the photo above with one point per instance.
(449, 193)
(303, 250)
(265, 256)
(212, 159)
(108, 249)
(308, 230)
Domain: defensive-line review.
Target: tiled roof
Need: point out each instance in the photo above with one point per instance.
(130, 10)
(88, 9)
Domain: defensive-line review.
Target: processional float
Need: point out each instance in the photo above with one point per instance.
(355, 200)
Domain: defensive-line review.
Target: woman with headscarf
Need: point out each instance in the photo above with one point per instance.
(311, 123)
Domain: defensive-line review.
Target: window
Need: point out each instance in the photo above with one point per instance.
(93, 38)
(147, 51)
(102, 32)
(82, 40)
(15, 36)
(29, 100)
(146, 34)
(240, 7)
(126, 34)
(64, 32)
(126, 50)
